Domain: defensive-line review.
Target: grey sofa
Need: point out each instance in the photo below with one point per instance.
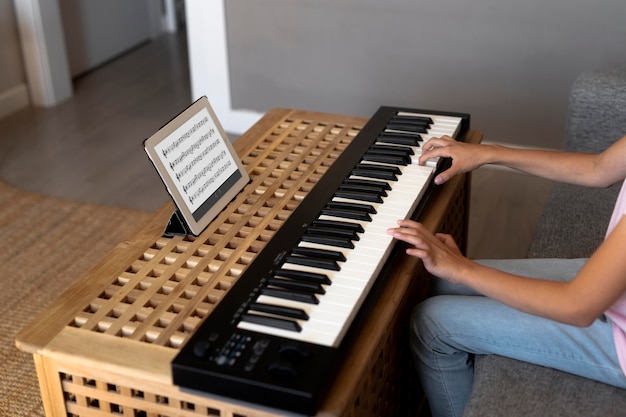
(572, 225)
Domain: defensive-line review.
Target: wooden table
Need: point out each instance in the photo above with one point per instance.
(105, 346)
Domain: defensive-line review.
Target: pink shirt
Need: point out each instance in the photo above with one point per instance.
(617, 312)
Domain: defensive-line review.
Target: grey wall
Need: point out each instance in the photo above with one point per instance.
(509, 63)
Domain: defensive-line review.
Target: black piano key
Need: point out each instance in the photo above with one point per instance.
(381, 168)
(362, 170)
(388, 150)
(400, 139)
(362, 182)
(338, 224)
(272, 322)
(365, 208)
(378, 192)
(368, 173)
(305, 276)
(372, 197)
(328, 240)
(424, 119)
(392, 149)
(295, 313)
(365, 188)
(346, 214)
(407, 127)
(411, 121)
(391, 134)
(313, 262)
(332, 231)
(319, 253)
(296, 285)
(305, 297)
(386, 159)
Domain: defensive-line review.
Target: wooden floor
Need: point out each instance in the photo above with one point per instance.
(89, 148)
(504, 210)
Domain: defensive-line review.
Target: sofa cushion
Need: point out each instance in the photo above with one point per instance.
(507, 387)
(573, 222)
(596, 116)
(574, 219)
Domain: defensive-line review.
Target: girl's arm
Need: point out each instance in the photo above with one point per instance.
(593, 170)
(579, 302)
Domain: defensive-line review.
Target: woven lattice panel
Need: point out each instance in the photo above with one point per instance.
(96, 397)
(164, 294)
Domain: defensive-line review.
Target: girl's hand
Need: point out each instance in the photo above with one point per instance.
(439, 253)
(465, 157)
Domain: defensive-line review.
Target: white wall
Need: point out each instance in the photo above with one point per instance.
(97, 31)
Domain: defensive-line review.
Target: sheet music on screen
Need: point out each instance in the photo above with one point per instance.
(198, 160)
(197, 164)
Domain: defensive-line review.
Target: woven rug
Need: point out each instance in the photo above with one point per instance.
(46, 244)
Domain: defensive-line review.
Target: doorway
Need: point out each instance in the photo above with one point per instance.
(43, 38)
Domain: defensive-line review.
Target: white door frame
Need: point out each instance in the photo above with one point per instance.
(43, 49)
(208, 63)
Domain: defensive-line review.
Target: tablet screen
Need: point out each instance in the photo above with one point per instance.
(197, 164)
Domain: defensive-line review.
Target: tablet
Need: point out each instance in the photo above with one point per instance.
(198, 165)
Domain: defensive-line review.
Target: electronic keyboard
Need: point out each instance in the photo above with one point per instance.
(280, 332)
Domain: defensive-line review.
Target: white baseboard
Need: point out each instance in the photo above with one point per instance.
(13, 100)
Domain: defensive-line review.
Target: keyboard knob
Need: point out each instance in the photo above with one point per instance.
(283, 369)
(294, 351)
(201, 348)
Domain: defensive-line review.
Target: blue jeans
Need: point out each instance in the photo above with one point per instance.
(456, 323)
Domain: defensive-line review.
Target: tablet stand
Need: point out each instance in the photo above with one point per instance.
(176, 226)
